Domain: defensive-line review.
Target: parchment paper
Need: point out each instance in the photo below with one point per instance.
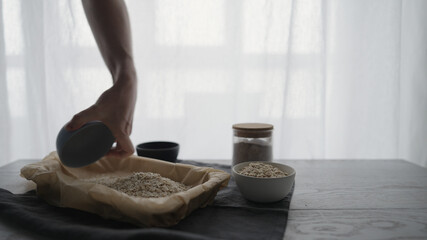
(62, 186)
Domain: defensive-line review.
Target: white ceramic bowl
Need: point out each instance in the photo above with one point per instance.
(264, 189)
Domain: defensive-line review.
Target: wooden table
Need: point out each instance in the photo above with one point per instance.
(333, 199)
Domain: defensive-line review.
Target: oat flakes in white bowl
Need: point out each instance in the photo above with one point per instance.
(263, 181)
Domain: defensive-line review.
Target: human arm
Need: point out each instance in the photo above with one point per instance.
(115, 107)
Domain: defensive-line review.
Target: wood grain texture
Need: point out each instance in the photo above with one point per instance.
(374, 224)
(352, 184)
(11, 180)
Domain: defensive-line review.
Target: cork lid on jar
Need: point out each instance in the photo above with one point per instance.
(253, 130)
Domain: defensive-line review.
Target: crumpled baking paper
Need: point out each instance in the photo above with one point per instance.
(63, 187)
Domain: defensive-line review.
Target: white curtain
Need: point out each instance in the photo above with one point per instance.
(337, 79)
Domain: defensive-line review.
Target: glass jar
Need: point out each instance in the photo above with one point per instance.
(252, 142)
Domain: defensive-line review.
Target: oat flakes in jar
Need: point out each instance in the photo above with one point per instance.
(252, 142)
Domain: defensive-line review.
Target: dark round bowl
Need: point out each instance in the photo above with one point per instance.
(167, 151)
(85, 145)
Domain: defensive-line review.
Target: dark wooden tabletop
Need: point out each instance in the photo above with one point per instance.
(333, 199)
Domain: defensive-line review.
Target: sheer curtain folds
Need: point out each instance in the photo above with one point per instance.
(337, 79)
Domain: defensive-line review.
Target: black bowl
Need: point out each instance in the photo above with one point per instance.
(167, 151)
(85, 145)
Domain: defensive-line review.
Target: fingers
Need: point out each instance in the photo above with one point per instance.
(81, 118)
(124, 147)
(118, 153)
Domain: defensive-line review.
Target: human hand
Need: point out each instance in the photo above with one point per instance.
(115, 108)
